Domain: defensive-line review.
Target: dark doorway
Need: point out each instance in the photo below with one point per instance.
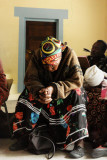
(36, 32)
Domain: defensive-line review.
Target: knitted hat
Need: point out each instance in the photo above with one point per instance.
(94, 76)
(50, 51)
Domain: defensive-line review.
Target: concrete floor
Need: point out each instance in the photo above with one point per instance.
(5, 154)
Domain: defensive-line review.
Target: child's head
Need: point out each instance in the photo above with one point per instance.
(94, 76)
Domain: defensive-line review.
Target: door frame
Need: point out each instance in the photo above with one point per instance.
(35, 14)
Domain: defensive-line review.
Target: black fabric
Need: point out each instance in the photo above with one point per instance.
(100, 62)
(40, 142)
(20, 144)
(4, 127)
(66, 117)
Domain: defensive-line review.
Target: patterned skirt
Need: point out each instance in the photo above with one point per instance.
(97, 116)
(66, 118)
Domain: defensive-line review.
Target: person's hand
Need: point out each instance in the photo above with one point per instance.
(104, 83)
(45, 95)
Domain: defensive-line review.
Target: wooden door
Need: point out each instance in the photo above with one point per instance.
(36, 32)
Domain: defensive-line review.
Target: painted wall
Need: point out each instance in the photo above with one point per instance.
(87, 22)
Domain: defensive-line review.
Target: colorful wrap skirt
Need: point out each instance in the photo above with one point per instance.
(97, 117)
(66, 118)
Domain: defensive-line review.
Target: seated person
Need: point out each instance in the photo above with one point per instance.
(94, 78)
(97, 56)
(4, 93)
(55, 96)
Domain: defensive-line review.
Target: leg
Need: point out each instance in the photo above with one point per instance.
(80, 143)
(78, 150)
(20, 144)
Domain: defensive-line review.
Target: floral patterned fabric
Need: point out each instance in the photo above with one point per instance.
(66, 118)
(96, 116)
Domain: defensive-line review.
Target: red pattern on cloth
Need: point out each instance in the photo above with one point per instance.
(52, 110)
(68, 131)
(19, 115)
(15, 127)
(69, 107)
(97, 116)
(78, 90)
(54, 59)
(4, 93)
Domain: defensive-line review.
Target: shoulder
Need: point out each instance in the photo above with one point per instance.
(37, 53)
(89, 57)
(69, 52)
(36, 56)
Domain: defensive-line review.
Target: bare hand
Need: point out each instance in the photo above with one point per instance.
(45, 95)
(45, 101)
(104, 83)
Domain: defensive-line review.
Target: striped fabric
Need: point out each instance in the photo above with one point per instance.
(66, 118)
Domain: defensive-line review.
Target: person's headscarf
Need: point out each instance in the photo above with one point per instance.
(94, 76)
(50, 51)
